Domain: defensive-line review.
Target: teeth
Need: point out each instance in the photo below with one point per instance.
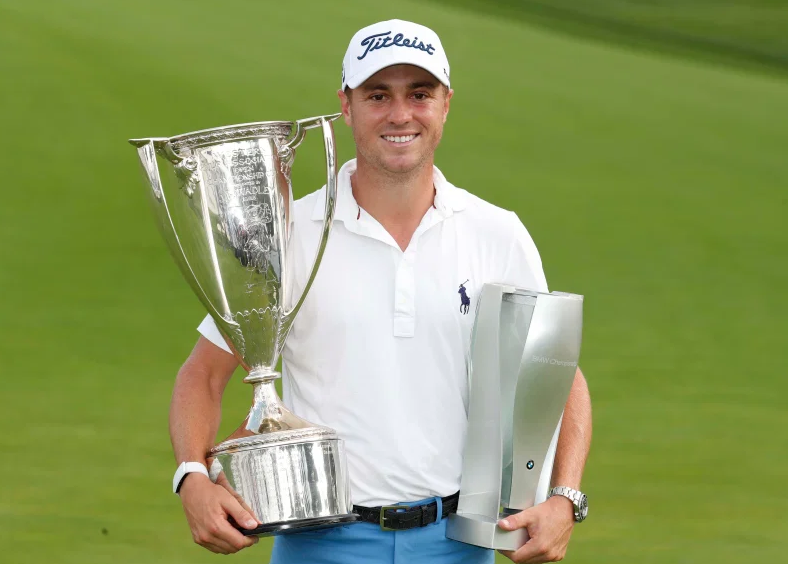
(399, 139)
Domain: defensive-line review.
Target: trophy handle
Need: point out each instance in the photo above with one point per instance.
(302, 125)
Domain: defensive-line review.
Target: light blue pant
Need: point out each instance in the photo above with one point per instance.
(367, 543)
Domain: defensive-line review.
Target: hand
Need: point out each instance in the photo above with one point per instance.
(207, 507)
(549, 525)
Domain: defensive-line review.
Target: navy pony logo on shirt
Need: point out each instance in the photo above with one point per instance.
(465, 301)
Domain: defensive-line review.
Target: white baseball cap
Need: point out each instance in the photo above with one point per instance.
(393, 42)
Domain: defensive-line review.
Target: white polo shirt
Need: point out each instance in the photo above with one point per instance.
(378, 350)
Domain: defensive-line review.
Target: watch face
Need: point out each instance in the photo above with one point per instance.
(582, 508)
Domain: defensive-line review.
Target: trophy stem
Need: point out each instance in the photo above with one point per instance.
(261, 375)
(268, 413)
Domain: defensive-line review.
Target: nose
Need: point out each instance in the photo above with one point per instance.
(400, 112)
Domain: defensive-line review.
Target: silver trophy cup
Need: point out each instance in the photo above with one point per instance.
(524, 354)
(222, 200)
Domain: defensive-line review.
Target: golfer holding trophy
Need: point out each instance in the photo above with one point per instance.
(421, 350)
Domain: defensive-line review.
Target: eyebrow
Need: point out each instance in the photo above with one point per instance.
(412, 86)
(423, 84)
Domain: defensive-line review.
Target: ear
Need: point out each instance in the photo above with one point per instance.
(449, 95)
(345, 101)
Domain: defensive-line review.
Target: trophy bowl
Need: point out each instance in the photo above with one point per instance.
(222, 200)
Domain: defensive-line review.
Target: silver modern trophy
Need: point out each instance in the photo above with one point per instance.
(222, 200)
(524, 352)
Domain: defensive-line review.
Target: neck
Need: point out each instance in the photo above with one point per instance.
(397, 201)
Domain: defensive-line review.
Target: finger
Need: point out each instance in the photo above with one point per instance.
(520, 520)
(532, 552)
(248, 509)
(222, 481)
(229, 539)
(235, 539)
(235, 510)
(216, 545)
(214, 469)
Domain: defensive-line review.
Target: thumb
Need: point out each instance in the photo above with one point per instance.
(517, 521)
(237, 512)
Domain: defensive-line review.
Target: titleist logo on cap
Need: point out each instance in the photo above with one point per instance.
(384, 40)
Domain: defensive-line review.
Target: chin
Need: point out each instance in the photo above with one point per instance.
(398, 167)
(402, 164)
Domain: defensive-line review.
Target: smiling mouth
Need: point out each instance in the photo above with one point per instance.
(400, 138)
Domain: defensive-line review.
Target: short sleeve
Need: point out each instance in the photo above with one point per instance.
(524, 265)
(210, 331)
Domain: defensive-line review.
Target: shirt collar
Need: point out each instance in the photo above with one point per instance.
(448, 198)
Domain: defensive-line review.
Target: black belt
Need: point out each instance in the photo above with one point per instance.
(402, 517)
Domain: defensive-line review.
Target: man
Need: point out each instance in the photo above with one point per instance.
(378, 350)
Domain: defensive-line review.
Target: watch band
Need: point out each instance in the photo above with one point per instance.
(187, 468)
(578, 499)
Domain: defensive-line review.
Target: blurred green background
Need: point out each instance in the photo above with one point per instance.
(651, 174)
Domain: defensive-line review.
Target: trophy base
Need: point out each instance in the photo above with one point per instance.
(299, 525)
(480, 530)
(289, 479)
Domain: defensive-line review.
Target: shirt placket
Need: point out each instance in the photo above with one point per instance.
(405, 282)
(405, 293)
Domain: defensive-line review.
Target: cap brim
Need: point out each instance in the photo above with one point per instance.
(360, 78)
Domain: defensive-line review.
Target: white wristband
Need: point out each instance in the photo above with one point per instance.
(184, 469)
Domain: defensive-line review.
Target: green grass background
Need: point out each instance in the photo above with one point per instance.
(749, 33)
(653, 185)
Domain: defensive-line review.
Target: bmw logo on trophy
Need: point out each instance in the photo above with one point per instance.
(222, 200)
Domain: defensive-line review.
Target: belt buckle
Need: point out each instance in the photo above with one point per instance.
(383, 515)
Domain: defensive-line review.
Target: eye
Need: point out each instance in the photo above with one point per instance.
(377, 97)
(420, 95)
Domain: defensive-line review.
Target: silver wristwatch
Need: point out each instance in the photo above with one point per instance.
(578, 499)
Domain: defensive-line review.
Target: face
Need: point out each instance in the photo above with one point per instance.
(397, 118)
